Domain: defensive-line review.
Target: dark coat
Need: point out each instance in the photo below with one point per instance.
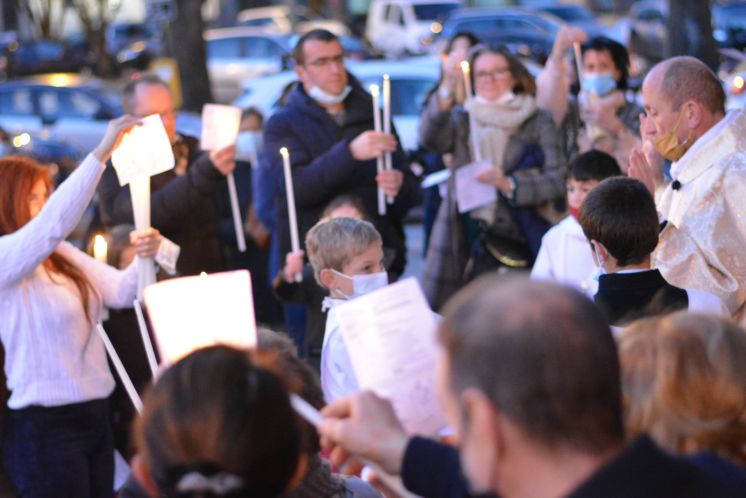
(183, 207)
(323, 167)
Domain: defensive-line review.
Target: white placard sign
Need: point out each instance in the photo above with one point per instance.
(390, 335)
(145, 151)
(220, 125)
(189, 313)
(470, 192)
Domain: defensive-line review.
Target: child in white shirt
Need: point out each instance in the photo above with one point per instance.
(347, 259)
(565, 255)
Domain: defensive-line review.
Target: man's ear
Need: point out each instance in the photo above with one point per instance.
(601, 250)
(693, 114)
(480, 417)
(143, 476)
(328, 279)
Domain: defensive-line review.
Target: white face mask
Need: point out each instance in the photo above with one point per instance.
(503, 99)
(326, 98)
(364, 284)
(248, 144)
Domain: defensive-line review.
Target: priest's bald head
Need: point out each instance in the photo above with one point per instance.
(682, 98)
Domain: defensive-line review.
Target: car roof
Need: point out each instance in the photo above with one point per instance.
(238, 31)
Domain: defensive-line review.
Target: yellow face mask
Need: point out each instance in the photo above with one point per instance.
(668, 144)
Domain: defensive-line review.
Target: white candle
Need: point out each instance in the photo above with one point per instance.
(129, 387)
(467, 79)
(292, 215)
(236, 212)
(578, 62)
(387, 157)
(140, 192)
(100, 248)
(476, 153)
(379, 160)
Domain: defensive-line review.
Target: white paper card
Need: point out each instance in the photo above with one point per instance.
(470, 192)
(220, 125)
(168, 255)
(390, 335)
(190, 313)
(436, 178)
(145, 150)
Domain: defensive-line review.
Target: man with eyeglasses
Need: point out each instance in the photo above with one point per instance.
(182, 199)
(327, 125)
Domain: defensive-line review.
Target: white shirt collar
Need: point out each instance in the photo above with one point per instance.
(678, 166)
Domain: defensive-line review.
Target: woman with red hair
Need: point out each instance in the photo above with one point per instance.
(57, 436)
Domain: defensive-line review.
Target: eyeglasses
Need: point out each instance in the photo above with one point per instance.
(337, 60)
(495, 73)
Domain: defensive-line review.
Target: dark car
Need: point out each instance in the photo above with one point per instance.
(24, 58)
(527, 32)
(575, 15)
(729, 24)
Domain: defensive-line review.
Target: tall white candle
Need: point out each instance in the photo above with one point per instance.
(292, 215)
(140, 192)
(100, 248)
(476, 153)
(466, 70)
(379, 160)
(387, 157)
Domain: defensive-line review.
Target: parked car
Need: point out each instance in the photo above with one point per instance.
(525, 32)
(237, 54)
(67, 108)
(411, 81)
(398, 27)
(277, 19)
(729, 24)
(576, 15)
(23, 58)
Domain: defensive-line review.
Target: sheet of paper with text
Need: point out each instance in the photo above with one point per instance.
(390, 335)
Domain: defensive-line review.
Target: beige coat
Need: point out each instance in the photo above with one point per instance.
(703, 245)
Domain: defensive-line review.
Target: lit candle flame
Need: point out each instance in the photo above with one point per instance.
(374, 90)
(100, 248)
(284, 152)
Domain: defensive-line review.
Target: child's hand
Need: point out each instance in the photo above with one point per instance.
(293, 265)
(146, 242)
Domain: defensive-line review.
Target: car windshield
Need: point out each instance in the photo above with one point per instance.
(407, 94)
(570, 13)
(732, 16)
(433, 11)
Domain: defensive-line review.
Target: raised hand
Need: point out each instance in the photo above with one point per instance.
(113, 136)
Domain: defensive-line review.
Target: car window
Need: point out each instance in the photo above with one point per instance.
(16, 101)
(57, 103)
(47, 50)
(407, 94)
(259, 47)
(651, 15)
(478, 27)
(224, 48)
(433, 11)
(259, 22)
(395, 14)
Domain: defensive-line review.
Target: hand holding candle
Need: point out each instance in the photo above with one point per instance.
(292, 215)
(379, 159)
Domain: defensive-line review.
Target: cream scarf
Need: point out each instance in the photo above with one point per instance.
(497, 120)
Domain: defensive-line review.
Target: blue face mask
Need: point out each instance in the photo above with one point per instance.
(248, 144)
(365, 284)
(601, 84)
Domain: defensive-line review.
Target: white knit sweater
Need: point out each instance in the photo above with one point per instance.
(53, 355)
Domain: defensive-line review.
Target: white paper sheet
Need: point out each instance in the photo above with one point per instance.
(189, 313)
(220, 125)
(436, 178)
(390, 335)
(145, 150)
(470, 192)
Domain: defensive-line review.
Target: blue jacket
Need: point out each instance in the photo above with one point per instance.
(323, 167)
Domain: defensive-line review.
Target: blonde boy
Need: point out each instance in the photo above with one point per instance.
(347, 259)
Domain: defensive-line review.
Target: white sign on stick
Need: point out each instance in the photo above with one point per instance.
(470, 192)
(220, 125)
(145, 151)
(190, 313)
(390, 335)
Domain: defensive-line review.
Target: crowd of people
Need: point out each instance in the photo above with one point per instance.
(589, 318)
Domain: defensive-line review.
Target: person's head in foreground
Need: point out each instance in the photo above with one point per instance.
(347, 257)
(683, 100)
(529, 380)
(684, 383)
(215, 424)
(620, 220)
(585, 172)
